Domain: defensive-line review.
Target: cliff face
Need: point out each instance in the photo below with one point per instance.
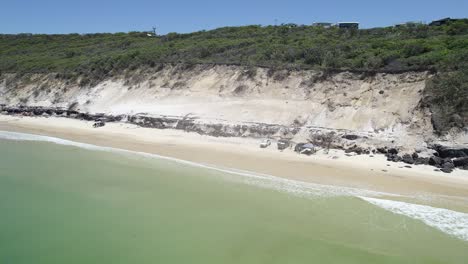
(387, 105)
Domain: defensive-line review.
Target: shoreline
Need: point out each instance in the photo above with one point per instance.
(335, 168)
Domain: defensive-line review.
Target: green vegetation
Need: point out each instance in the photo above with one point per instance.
(94, 57)
(417, 47)
(447, 96)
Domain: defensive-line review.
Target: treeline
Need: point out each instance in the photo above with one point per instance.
(416, 47)
(440, 49)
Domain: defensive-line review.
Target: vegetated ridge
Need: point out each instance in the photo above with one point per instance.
(88, 59)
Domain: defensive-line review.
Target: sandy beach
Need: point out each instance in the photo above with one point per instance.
(333, 168)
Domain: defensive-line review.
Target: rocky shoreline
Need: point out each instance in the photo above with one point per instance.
(444, 158)
(186, 123)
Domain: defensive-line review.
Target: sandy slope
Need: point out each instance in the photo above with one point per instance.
(386, 104)
(334, 168)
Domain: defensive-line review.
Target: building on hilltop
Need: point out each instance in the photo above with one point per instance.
(348, 25)
(322, 24)
(442, 21)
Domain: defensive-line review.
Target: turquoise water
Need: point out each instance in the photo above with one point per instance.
(64, 204)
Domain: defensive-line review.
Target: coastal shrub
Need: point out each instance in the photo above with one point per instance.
(447, 96)
(271, 46)
(87, 59)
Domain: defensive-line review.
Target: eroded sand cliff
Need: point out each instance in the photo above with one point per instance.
(383, 109)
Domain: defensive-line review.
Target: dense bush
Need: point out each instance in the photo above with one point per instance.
(93, 57)
(416, 47)
(447, 96)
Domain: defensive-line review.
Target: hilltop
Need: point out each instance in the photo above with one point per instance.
(89, 59)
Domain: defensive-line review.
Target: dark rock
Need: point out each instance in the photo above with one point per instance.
(407, 166)
(421, 161)
(460, 162)
(393, 157)
(188, 124)
(448, 165)
(435, 161)
(450, 152)
(415, 155)
(350, 137)
(381, 92)
(407, 158)
(382, 150)
(446, 170)
(393, 151)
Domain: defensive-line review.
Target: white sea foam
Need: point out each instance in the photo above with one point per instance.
(451, 222)
(447, 221)
(258, 179)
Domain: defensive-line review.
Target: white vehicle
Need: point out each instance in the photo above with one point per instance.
(265, 143)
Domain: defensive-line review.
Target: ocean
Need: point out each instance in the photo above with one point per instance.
(68, 202)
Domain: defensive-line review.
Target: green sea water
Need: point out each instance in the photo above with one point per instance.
(64, 204)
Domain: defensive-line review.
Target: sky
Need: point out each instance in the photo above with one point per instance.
(90, 16)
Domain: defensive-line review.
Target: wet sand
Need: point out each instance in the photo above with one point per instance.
(335, 168)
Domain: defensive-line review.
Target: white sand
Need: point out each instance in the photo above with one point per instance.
(334, 168)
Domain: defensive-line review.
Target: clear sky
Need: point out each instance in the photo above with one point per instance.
(87, 16)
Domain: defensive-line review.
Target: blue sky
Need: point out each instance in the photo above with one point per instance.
(87, 16)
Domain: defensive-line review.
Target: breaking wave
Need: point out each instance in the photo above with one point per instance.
(447, 221)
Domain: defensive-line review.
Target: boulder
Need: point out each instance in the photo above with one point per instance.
(450, 152)
(407, 158)
(382, 150)
(421, 161)
(447, 167)
(446, 170)
(392, 151)
(460, 162)
(435, 161)
(393, 157)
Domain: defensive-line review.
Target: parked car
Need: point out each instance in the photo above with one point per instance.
(265, 143)
(99, 124)
(307, 149)
(283, 144)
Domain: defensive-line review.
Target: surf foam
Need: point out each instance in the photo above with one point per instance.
(252, 178)
(448, 221)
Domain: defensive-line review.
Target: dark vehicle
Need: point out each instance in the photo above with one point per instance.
(99, 124)
(283, 144)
